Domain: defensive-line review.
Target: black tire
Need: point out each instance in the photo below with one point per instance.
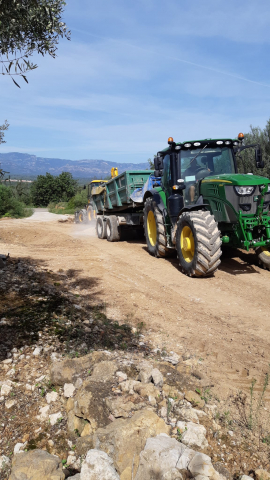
(112, 229)
(82, 216)
(91, 214)
(101, 228)
(199, 254)
(263, 255)
(154, 230)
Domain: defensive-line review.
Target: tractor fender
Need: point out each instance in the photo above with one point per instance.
(157, 198)
(199, 205)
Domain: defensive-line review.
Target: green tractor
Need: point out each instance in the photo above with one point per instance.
(200, 202)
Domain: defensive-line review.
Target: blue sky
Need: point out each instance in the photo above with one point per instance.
(135, 73)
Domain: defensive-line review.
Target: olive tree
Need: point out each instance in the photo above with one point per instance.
(28, 27)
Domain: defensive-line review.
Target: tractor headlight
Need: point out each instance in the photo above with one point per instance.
(262, 187)
(244, 190)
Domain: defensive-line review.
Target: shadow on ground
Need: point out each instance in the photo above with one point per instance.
(62, 309)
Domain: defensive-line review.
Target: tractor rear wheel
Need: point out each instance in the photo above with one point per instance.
(263, 254)
(82, 217)
(154, 230)
(198, 243)
(101, 228)
(112, 229)
(91, 214)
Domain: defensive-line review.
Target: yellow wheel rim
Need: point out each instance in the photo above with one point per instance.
(151, 228)
(266, 251)
(94, 214)
(80, 218)
(187, 244)
(89, 215)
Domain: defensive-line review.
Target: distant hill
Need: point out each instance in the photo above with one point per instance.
(29, 165)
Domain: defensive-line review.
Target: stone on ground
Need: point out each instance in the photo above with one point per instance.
(163, 458)
(123, 440)
(193, 435)
(4, 461)
(36, 465)
(69, 390)
(157, 377)
(201, 465)
(98, 465)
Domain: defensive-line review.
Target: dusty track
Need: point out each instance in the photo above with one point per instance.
(224, 320)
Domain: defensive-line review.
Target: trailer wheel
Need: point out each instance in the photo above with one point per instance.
(198, 243)
(101, 228)
(112, 229)
(91, 215)
(154, 230)
(263, 254)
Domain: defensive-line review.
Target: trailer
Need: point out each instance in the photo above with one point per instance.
(116, 204)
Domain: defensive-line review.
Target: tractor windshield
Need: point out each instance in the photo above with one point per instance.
(210, 161)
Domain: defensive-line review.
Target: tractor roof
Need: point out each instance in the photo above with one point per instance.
(201, 143)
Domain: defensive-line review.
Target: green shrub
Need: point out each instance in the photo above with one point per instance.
(11, 206)
(75, 203)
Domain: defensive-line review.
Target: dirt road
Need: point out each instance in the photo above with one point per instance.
(223, 320)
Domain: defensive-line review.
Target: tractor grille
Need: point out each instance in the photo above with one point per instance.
(246, 203)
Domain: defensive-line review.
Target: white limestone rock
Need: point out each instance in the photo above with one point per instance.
(98, 465)
(193, 435)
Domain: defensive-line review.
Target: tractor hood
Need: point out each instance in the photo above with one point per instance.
(237, 179)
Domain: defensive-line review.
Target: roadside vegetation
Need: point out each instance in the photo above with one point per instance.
(75, 203)
(12, 206)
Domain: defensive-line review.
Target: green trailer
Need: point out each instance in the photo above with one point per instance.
(114, 195)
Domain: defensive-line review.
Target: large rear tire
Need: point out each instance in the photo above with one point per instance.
(154, 230)
(112, 229)
(198, 244)
(101, 228)
(263, 254)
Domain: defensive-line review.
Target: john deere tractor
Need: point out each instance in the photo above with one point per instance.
(200, 202)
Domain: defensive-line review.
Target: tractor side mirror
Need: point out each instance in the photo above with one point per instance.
(158, 162)
(158, 173)
(258, 158)
(84, 187)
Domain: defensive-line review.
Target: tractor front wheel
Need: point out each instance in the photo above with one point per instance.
(263, 254)
(198, 244)
(154, 230)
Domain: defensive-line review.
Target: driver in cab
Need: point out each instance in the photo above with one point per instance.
(191, 174)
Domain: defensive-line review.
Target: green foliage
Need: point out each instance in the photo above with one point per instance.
(26, 27)
(2, 130)
(151, 164)
(48, 188)
(246, 160)
(75, 203)
(11, 206)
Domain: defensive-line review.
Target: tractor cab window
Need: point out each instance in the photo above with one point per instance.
(210, 161)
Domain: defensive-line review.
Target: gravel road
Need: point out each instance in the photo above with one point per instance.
(223, 320)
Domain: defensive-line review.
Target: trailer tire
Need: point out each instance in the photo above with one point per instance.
(101, 228)
(112, 229)
(263, 254)
(154, 230)
(198, 243)
(91, 215)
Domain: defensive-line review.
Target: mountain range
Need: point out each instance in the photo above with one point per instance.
(25, 165)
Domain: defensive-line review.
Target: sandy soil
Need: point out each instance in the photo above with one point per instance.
(223, 320)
